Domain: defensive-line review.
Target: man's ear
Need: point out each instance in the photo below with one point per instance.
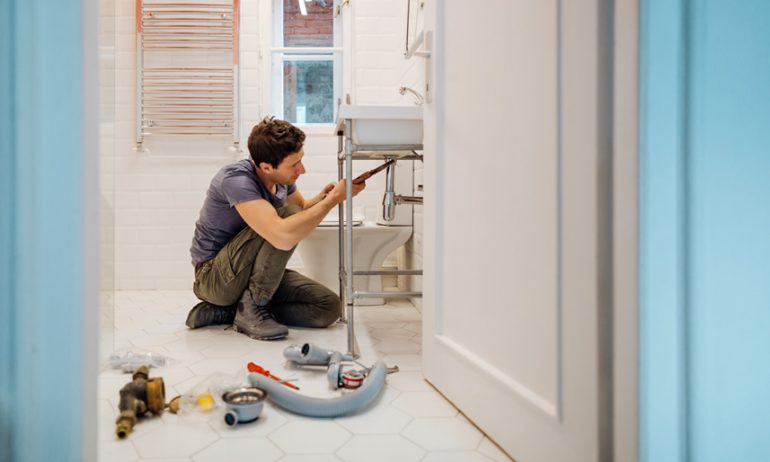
(265, 167)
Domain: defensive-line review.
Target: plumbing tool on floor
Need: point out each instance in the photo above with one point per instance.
(261, 370)
(137, 397)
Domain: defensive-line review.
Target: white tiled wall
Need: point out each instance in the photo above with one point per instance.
(158, 194)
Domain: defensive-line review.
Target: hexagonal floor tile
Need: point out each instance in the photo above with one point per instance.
(117, 451)
(380, 448)
(175, 440)
(240, 450)
(308, 436)
(490, 449)
(443, 434)
(405, 362)
(379, 420)
(217, 365)
(409, 381)
(424, 404)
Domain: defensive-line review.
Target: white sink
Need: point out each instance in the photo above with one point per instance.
(381, 125)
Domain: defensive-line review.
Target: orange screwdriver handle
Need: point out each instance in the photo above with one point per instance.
(261, 370)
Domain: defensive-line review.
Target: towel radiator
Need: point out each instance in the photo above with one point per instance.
(187, 69)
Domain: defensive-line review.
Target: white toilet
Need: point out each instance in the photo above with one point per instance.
(372, 243)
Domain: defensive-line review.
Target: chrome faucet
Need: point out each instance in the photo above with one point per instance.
(418, 97)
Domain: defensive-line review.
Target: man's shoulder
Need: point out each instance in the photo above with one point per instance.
(237, 168)
(236, 174)
(237, 182)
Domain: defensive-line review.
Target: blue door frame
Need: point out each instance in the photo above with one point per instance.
(705, 230)
(48, 279)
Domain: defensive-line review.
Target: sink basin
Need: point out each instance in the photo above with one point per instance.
(381, 125)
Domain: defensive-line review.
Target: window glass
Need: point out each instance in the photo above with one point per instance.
(306, 61)
(308, 91)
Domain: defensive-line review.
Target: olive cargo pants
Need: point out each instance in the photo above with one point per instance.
(248, 261)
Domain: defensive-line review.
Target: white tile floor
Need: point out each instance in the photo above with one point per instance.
(409, 421)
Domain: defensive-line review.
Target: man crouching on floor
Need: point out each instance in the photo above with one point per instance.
(251, 221)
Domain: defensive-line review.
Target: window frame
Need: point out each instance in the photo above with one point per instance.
(277, 55)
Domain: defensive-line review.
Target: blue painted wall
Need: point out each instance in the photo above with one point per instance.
(705, 230)
(43, 221)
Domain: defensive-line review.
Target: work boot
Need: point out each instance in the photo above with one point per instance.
(257, 321)
(206, 314)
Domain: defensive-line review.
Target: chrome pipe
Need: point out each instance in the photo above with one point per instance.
(341, 237)
(389, 198)
(352, 346)
(408, 199)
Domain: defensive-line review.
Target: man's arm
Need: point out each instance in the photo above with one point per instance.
(285, 233)
(297, 198)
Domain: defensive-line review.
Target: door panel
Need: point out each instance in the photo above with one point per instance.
(515, 178)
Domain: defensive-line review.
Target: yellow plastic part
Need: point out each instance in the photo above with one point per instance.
(205, 401)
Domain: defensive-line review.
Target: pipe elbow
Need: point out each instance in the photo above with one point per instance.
(320, 407)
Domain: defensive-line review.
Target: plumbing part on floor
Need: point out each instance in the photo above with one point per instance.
(348, 403)
(352, 379)
(244, 405)
(313, 355)
(137, 397)
(206, 396)
(130, 360)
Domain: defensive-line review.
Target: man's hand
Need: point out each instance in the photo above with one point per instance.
(318, 197)
(327, 189)
(338, 190)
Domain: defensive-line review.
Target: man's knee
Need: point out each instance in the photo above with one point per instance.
(328, 309)
(289, 210)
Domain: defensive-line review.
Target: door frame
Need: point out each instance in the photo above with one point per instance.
(625, 230)
(49, 235)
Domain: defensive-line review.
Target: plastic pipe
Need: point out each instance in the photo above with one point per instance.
(312, 355)
(333, 371)
(323, 407)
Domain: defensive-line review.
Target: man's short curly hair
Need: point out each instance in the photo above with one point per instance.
(273, 139)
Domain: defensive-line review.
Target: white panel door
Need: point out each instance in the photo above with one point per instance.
(513, 323)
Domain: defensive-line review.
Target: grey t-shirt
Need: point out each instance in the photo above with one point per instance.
(219, 220)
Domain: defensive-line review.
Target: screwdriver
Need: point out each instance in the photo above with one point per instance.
(261, 370)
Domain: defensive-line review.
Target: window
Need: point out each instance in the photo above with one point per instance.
(307, 61)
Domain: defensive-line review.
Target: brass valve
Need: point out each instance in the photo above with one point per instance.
(137, 397)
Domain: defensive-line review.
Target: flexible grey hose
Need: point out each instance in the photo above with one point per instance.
(323, 407)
